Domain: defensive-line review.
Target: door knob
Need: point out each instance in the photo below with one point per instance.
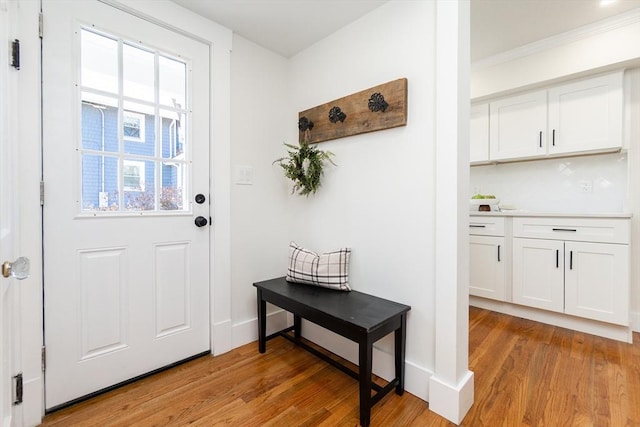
(200, 221)
(18, 268)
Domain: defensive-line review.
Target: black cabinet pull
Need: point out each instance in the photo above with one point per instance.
(570, 260)
(553, 137)
(498, 253)
(477, 226)
(557, 258)
(540, 139)
(564, 229)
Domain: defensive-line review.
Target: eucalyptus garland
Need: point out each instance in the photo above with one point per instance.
(304, 166)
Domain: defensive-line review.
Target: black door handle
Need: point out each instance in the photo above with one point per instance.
(201, 221)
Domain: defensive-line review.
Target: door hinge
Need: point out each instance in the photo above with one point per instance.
(17, 389)
(41, 193)
(15, 54)
(40, 25)
(44, 358)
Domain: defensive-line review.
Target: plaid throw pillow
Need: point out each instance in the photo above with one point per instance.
(329, 270)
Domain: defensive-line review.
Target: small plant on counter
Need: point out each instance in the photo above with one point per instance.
(304, 166)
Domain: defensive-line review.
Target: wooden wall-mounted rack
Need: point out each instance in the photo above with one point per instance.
(380, 107)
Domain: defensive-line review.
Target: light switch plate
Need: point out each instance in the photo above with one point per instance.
(243, 175)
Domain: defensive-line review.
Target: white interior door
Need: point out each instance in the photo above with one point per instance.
(125, 153)
(9, 291)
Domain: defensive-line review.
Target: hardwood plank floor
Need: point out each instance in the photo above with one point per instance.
(526, 374)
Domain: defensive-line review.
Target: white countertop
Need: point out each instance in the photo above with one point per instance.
(523, 213)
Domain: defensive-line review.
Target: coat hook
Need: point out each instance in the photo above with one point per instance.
(304, 124)
(336, 115)
(377, 103)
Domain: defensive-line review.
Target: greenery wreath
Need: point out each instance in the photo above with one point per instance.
(304, 166)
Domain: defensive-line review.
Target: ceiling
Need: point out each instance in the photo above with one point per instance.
(289, 26)
(501, 25)
(283, 26)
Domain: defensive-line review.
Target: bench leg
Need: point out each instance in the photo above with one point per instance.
(297, 326)
(400, 337)
(365, 362)
(262, 323)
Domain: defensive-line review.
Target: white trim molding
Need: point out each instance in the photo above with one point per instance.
(452, 401)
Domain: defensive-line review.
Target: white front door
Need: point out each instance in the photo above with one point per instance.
(126, 176)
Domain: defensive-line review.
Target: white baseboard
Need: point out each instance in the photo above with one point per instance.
(607, 330)
(221, 337)
(451, 401)
(635, 321)
(245, 332)
(32, 404)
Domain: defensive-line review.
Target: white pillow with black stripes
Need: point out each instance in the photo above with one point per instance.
(329, 269)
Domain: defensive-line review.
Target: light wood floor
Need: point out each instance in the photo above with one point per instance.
(526, 374)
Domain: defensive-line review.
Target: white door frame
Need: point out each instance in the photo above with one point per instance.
(165, 13)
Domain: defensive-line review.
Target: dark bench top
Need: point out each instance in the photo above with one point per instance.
(360, 310)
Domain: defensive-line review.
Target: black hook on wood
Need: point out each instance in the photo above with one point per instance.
(304, 124)
(336, 115)
(377, 103)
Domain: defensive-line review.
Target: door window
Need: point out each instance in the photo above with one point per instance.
(133, 125)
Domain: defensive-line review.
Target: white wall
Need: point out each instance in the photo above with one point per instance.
(378, 199)
(260, 118)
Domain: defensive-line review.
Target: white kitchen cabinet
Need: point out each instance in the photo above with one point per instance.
(586, 116)
(487, 267)
(538, 273)
(597, 281)
(573, 266)
(518, 126)
(479, 134)
(489, 257)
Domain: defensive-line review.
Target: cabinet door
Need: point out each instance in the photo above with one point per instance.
(487, 259)
(597, 281)
(518, 126)
(538, 278)
(479, 134)
(586, 115)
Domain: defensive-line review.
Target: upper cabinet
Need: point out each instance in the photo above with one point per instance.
(518, 126)
(580, 117)
(586, 116)
(479, 134)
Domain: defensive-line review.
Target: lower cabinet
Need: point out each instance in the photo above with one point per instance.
(487, 267)
(581, 278)
(596, 281)
(538, 273)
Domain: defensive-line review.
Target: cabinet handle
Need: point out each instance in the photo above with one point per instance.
(553, 137)
(570, 260)
(477, 226)
(557, 258)
(564, 229)
(498, 253)
(540, 139)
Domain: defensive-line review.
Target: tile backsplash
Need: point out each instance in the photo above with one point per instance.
(586, 184)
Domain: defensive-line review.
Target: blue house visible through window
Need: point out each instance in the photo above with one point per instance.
(137, 161)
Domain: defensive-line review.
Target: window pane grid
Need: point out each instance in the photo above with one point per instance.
(134, 131)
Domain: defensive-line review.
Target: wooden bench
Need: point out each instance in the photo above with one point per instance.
(354, 315)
